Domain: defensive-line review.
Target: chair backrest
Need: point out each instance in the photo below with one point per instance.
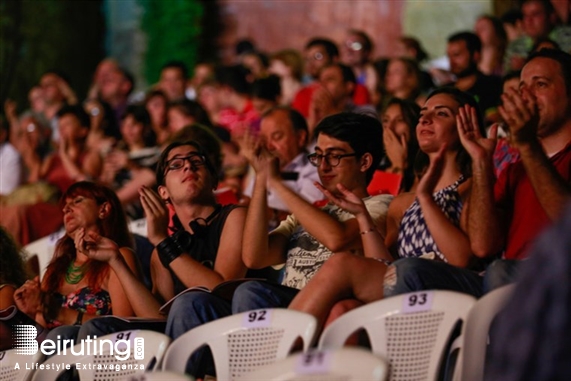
(344, 364)
(110, 357)
(25, 369)
(242, 342)
(475, 336)
(159, 376)
(384, 182)
(43, 249)
(410, 330)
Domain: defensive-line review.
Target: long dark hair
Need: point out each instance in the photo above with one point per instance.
(114, 227)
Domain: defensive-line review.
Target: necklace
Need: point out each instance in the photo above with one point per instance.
(75, 274)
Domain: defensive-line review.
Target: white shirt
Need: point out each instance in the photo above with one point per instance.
(303, 186)
(10, 168)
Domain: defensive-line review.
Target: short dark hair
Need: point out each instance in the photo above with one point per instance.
(473, 42)
(78, 112)
(511, 16)
(235, 77)
(511, 75)
(363, 133)
(329, 46)
(177, 65)
(162, 164)
(564, 60)
(268, 88)
(347, 73)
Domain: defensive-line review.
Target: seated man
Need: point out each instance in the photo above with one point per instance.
(205, 249)
(310, 235)
(283, 131)
(528, 195)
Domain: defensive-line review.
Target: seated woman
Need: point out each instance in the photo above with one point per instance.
(93, 268)
(428, 223)
(399, 139)
(402, 79)
(131, 164)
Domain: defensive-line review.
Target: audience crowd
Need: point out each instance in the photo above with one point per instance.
(275, 168)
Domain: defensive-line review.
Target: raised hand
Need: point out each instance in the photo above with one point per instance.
(346, 199)
(477, 146)
(95, 246)
(156, 213)
(519, 111)
(430, 178)
(28, 297)
(250, 147)
(395, 147)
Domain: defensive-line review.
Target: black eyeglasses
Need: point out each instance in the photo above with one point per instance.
(196, 161)
(331, 159)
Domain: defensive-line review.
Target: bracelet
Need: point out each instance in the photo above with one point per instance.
(168, 250)
(368, 231)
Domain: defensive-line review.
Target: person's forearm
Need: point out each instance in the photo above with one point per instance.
(373, 241)
(326, 229)
(143, 302)
(449, 239)
(486, 228)
(255, 243)
(552, 191)
(191, 273)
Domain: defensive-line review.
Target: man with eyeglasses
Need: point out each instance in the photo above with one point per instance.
(310, 235)
(205, 247)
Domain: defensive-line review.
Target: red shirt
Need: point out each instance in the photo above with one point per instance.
(302, 99)
(232, 119)
(514, 194)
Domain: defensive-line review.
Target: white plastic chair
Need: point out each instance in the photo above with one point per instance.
(242, 342)
(345, 364)
(26, 365)
(474, 340)
(160, 376)
(146, 352)
(44, 249)
(410, 330)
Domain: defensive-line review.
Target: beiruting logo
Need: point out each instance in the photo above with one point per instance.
(121, 345)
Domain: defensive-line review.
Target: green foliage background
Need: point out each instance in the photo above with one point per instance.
(36, 36)
(174, 30)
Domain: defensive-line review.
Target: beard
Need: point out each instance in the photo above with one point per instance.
(470, 70)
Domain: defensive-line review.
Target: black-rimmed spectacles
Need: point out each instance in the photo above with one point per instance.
(196, 161)
(331, 159)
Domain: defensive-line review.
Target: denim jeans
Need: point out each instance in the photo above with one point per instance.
(259, 294)
(500, 273)
(189, 311)
(418, 274)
